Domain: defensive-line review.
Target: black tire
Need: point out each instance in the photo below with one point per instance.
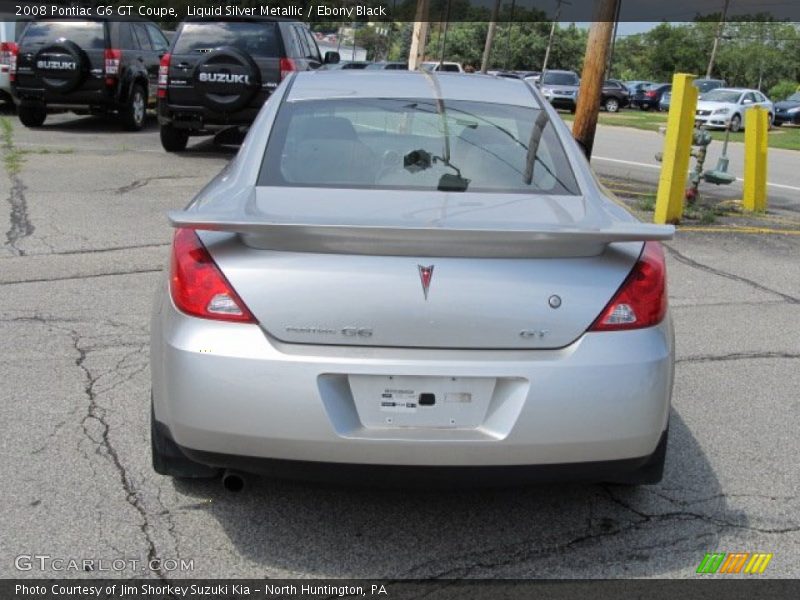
(134, 113)
(169, 460)
(611, 105)
(645, 107)
(736, 123)
(32, 116)
(174, 140)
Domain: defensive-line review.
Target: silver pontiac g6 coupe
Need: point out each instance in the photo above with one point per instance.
(405, 277)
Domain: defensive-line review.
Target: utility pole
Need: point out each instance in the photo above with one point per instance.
(594, 68)
(419, 38)
(552, 33)
(610, 65)
(717, 37)
(487, 49)
(510, 29)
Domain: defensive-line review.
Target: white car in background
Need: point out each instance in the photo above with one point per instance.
(9, 32)
(727, 106)
(442, 67)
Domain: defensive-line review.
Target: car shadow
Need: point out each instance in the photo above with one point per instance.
(534, 531)
(206, 147)
(92, 124)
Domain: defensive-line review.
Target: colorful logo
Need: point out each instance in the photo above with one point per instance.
(425, 276)
(734, 562)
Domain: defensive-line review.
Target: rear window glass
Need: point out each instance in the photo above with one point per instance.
(255, 38)
(89, 35)
(382, 143)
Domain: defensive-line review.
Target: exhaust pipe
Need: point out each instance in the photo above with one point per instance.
(233, 481)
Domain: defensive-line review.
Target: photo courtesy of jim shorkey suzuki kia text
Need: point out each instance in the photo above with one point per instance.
(312, 11)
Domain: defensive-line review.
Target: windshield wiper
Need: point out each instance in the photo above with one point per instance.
(533, 145)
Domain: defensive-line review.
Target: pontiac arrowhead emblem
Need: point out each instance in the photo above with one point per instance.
(425, 276)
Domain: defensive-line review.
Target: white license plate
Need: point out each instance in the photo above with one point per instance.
(403, 401)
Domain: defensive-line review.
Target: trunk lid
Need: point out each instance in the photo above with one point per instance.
(501, 271)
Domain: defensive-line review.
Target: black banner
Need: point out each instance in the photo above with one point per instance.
(733, 588)
(400, 10)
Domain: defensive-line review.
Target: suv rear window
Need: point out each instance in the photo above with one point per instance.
(255, 38)
(380, 143)
(89, 35)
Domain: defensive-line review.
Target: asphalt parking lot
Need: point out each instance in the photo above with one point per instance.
(85, 240)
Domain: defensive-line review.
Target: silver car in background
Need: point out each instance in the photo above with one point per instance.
(411, 276)
(561, 88)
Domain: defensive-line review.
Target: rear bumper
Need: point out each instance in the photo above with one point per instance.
(229, 390)
(616, 471)
(41, 96)
(200, 118)
(781, 118)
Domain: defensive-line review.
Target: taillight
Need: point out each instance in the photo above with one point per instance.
(163, 76)
(8, 59)
(650, 94)
(112, 60)
(197, 285)
(642, 299)
(287, 66)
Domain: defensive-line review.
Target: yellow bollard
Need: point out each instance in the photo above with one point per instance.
(677, 150)
(755, 159)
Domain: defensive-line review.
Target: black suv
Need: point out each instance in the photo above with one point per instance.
(614, 96)
(96, 66)
(219, 73)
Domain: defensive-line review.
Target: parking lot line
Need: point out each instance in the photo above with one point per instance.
(648, 166)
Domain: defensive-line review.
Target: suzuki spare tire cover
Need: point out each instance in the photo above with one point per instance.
(227, 80)
(61, 66)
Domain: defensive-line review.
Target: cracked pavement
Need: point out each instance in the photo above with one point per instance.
(87, 239)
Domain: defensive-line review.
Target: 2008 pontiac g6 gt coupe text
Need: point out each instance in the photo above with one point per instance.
(411, 274)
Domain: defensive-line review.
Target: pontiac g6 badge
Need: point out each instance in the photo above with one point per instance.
(425, 276)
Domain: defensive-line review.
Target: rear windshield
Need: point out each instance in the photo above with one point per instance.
(255, 38)
(414, 144)
(560, 79)
(89, 35)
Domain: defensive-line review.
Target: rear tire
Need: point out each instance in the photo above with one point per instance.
(612, 105)
(134, 112)
(174, 140)
(169, 460)
(32, 116)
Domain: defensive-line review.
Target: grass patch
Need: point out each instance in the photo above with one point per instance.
(12, 157)
(786, 137)
(647, 203)
(49, 151)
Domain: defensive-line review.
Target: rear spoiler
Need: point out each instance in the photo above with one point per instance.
(544, 241)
